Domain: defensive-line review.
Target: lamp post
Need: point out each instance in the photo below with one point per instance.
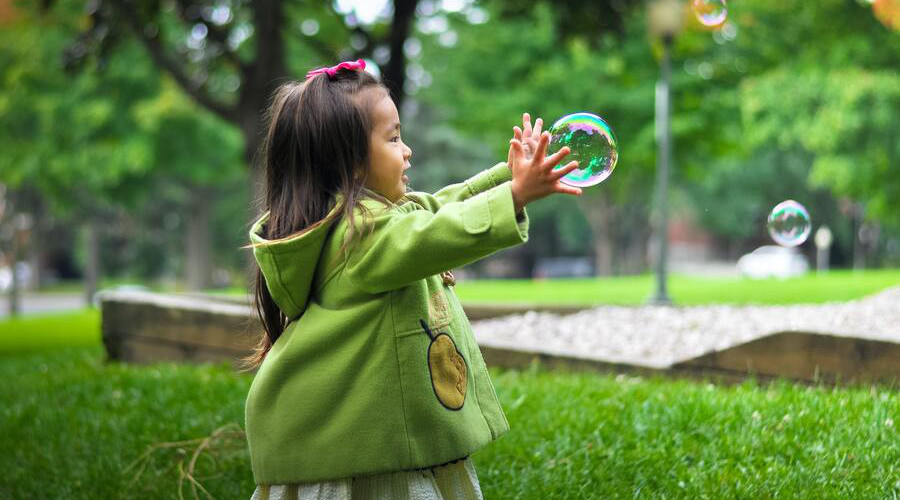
(665, 22)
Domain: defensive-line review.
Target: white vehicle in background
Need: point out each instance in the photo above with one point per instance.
(772, 261)
(23, 273)
(5, 279)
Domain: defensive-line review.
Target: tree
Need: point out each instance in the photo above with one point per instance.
(494, 73)
(69, 138)
(246, 43)
(846, 119)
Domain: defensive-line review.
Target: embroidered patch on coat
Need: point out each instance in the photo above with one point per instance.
(438, 309)
(448, 369)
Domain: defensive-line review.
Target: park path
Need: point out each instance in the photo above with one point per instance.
(42, 303)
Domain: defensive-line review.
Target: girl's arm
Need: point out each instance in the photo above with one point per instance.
(529, 137)
(482, 181)
(405, 247)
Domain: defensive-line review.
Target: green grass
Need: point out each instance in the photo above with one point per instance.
(71, 424)
(684, 290)
(77, 286)
(47, 331)
(837, 285)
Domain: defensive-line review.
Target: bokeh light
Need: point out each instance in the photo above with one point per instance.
(887, 12)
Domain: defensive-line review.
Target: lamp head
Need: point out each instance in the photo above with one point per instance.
(666, 18)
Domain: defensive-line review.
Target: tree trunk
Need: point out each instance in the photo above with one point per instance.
(92, 260)
(198, 239)
(394, 75)
(36, 249)
(599, 214)
(14, 298)
(35, 255)
(257, 205)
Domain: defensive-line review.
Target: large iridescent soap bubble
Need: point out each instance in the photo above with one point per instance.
(592, 144)
(710, 12)
(789, 224)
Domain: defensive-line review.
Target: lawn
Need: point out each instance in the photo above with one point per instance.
(73, 426)
(47, 331)
(836, 285)
(684, 290)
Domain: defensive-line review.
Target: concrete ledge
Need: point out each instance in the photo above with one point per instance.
(477, 312)
(146, 327)
(806, 356)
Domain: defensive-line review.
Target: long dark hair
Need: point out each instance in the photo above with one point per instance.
(316, 145)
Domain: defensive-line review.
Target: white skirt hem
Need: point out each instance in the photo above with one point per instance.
(453, 481)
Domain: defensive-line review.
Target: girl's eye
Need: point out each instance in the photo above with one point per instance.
(395, 138)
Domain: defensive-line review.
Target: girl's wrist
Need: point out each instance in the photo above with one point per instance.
(518, 201)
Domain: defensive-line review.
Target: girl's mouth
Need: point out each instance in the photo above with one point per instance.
(405, 179)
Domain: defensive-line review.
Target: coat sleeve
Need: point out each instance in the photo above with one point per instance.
(405, 247)
(482, 181)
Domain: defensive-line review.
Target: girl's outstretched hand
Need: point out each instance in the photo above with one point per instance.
(534, 178)
(529, 136)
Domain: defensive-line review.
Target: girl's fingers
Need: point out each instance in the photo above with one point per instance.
(555, 158)
(562, 188)
(541, 150)
(517, 133)
(558, 174)
(526, 125)
(515, 145)
(537, 126)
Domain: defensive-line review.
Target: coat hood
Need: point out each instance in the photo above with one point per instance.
(289, 264)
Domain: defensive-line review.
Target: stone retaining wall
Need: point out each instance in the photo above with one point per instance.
(148, 327)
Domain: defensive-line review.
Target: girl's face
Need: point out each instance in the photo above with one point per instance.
(388, 155)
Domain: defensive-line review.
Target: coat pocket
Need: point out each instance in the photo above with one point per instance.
(476, 214)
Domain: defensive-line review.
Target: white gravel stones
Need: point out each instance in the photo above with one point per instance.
(658, 336)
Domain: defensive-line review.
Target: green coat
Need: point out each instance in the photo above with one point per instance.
(378, 369)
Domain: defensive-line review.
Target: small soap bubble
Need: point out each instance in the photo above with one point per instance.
(592, 144)
(710, 12)
(789, 224)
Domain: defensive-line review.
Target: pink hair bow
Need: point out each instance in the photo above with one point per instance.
(352, 65)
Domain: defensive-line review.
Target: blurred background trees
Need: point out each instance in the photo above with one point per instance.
(129, 128)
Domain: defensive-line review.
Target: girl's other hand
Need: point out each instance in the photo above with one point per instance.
(527, 135)
(534, 178)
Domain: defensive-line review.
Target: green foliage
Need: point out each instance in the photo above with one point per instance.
(113, 136)
(70, 136)
(845, 118)
(762, 74)
(190, 145)
(494, 73)
(790, 99)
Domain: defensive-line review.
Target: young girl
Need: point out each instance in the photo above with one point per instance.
(369, 382)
